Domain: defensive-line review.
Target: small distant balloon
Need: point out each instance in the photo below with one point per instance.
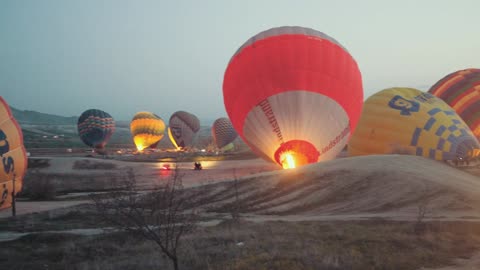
(223, 133)
(294, 95)
(409, 121)
(147, 130)
(182, 128)
(95, 128)
(14, 156)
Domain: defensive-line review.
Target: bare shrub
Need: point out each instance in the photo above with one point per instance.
(163, 215)
(422, 210)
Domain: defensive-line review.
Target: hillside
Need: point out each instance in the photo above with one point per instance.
(389, 186)
(38, 118)
(42, 130)
(386, 186)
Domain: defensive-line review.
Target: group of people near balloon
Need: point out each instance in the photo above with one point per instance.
(295, 96)
(95, 128)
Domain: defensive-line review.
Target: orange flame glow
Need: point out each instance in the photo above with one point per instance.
(296, 153)
(288, 161)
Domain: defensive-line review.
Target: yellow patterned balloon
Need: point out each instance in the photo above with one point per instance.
(13, 155)
(409, 121)
(147, 129)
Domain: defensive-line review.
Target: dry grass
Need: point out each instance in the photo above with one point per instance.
(337, 245)
(271, 245)
(42, 188)
(38, 163)
(78, 217)
(93, 165)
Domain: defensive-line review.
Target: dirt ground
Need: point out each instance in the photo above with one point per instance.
(472, 263)
(363, 187)
(355, 245)
(81, 182)
(377, 190)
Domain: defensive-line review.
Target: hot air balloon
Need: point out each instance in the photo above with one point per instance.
(409, 121)
(147, 129)
(223, 133)
(95, 128)
(461, 90)
(182, 128)
(294, 95)
(13, 155)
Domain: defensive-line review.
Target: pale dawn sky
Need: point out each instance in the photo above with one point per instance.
(65, 56)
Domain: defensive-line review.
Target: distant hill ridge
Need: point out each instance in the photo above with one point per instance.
(37, 118)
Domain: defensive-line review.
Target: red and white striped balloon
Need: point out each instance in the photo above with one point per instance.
(294, 95)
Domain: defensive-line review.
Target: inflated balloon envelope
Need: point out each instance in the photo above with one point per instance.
(13, 155)
(95, 128)
(409, 121)
(147, 129)
(294, 95)
(223, 133)
(461, 90)
(182, 128)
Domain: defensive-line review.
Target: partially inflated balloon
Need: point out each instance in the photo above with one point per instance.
(223, 132)
(409, 121)
(294, 95)
(147, 129)
(461, 90)
(182, 128)
(95, 128)
(228, 147)
(13, 155)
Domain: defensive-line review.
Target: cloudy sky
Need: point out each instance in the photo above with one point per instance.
(66, 56)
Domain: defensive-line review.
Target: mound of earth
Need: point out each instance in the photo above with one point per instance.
(388, 185)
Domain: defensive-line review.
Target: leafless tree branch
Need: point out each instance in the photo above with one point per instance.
(163, 215)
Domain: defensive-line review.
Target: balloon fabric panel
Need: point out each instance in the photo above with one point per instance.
(257, 73)
(147, 130)
(223, 132)
(461, 90)
(292, 89)
(182, 128)
(408, 121)
(95, 128)
(13, 155)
